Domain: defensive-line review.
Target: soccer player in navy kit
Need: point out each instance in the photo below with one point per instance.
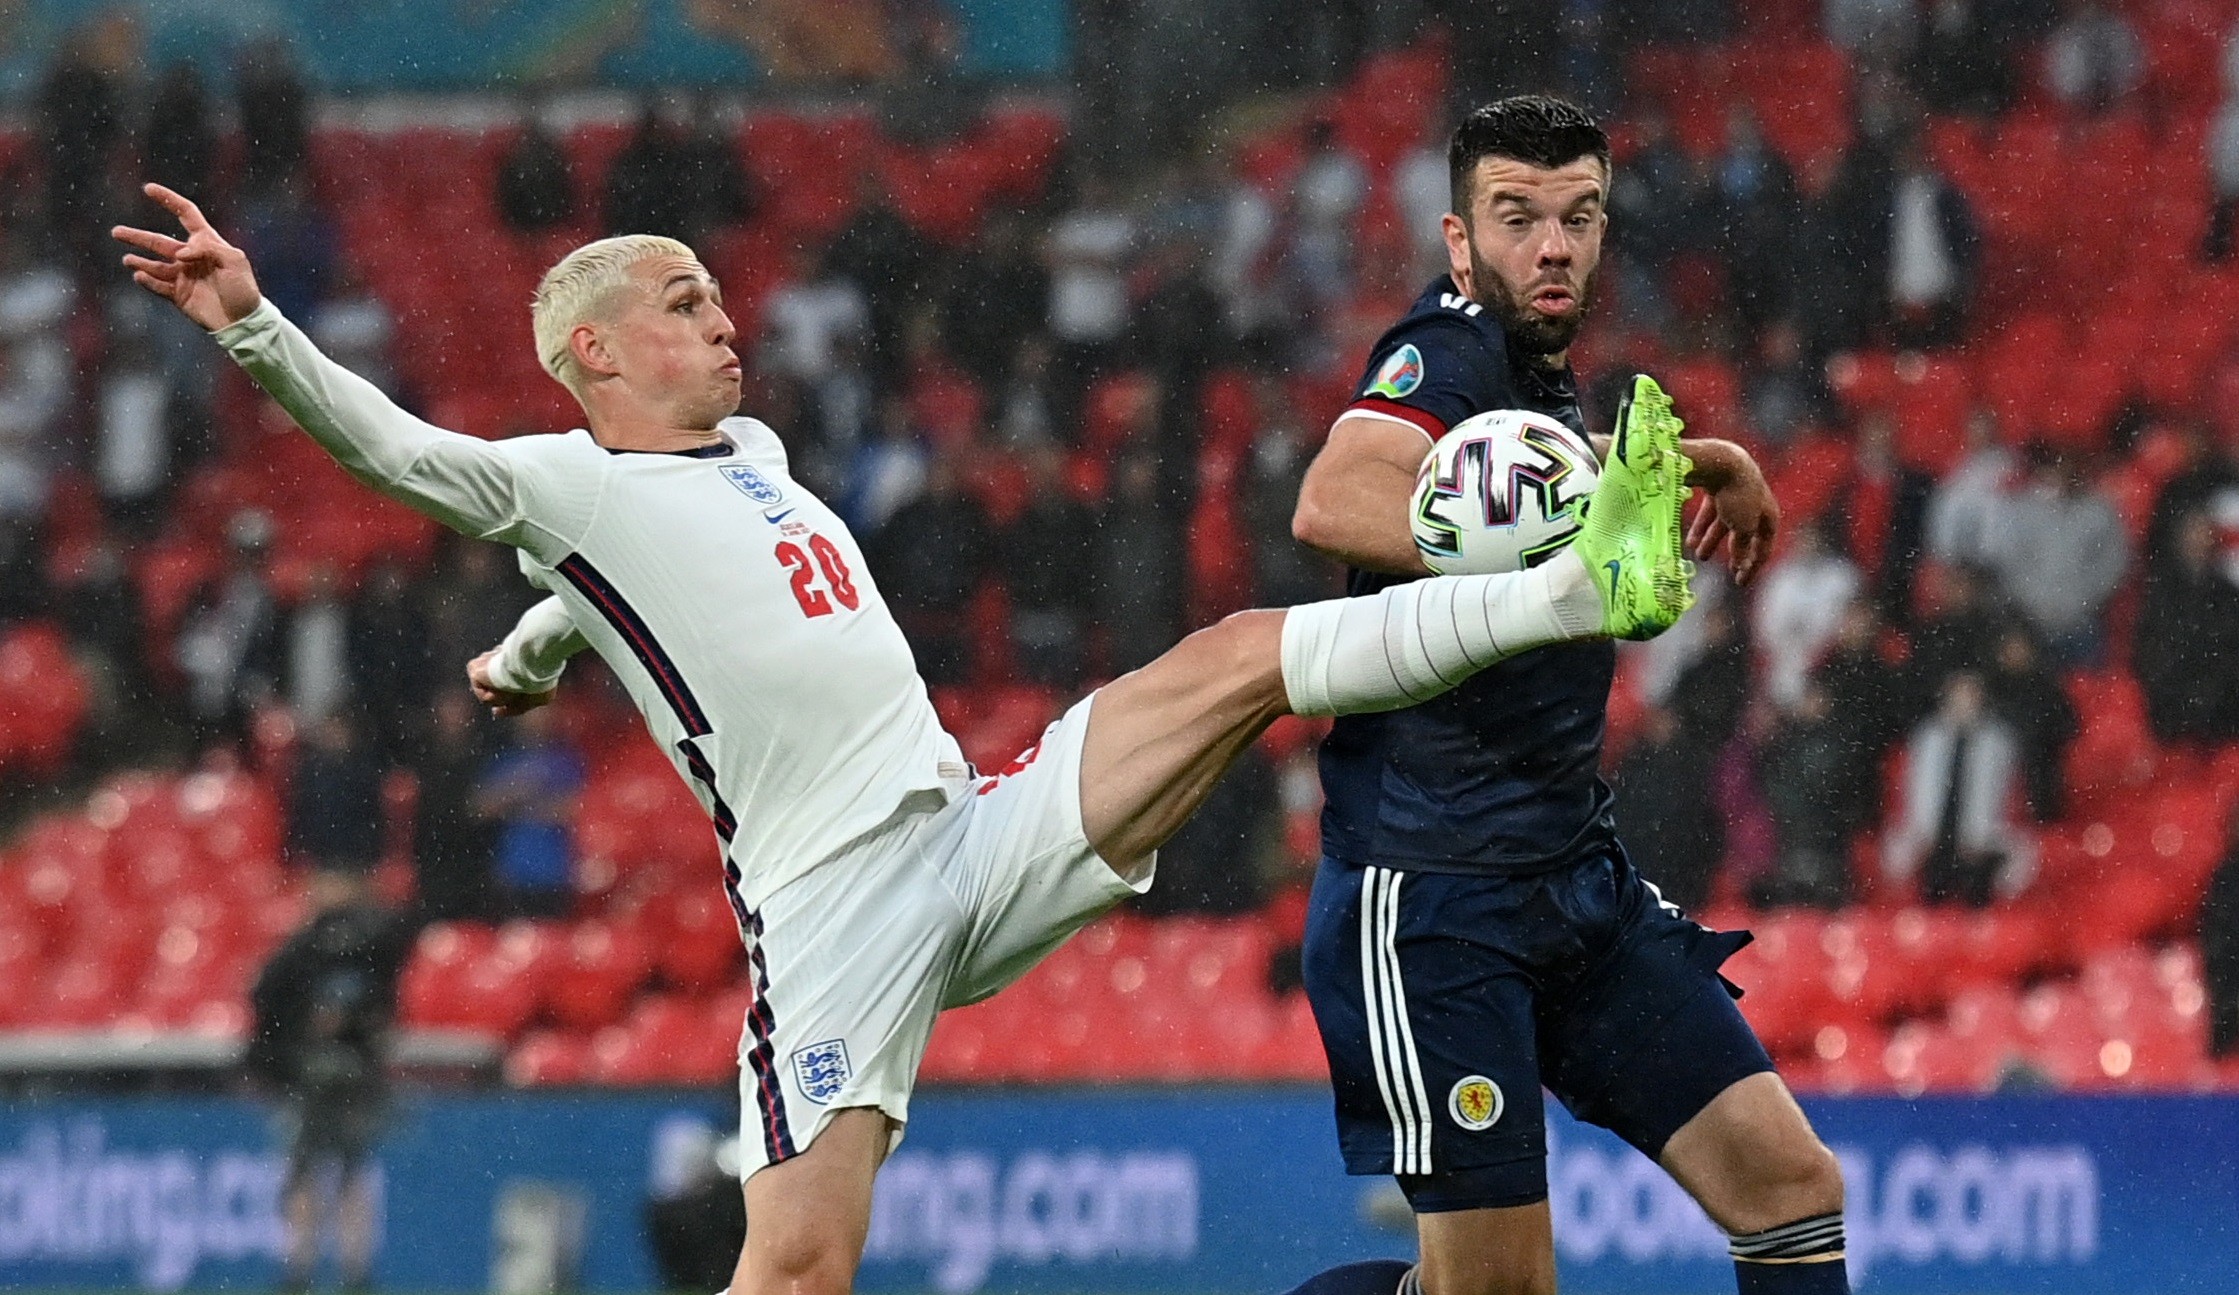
(1476, 928)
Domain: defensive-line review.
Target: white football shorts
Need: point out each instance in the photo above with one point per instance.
(852, 960)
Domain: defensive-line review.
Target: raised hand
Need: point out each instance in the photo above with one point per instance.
(1740, 516)
(207, 278)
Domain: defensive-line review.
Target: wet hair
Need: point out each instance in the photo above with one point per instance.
(580, 288)
(1536, 129)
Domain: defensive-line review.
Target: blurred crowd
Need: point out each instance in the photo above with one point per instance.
(1152, 352)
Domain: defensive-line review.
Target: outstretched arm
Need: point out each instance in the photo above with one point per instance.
(462, 482)
(522, 673)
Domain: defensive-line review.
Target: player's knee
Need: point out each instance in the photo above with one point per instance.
(1796, 1178)
(796, 1261)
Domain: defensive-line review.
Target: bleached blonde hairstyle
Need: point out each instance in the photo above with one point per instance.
(578, 289)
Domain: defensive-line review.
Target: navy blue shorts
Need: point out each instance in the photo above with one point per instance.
(1447, 1000)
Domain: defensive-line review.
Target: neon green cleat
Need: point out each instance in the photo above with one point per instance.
(1630, 542)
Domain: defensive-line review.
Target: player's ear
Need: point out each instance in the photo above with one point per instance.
(1457, 247)
(592, 355)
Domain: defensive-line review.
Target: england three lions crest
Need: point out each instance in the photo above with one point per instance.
(752, 483)
(821, 1069)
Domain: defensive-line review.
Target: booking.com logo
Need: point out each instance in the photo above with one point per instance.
(1971, 1205)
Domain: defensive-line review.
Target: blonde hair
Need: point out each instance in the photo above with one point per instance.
(577, 290)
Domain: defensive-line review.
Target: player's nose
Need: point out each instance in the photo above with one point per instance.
(725, 331)
(1555, 244)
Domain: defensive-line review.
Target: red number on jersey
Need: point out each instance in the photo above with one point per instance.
(812, 599)
(836, 573)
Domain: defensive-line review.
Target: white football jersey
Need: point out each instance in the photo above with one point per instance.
(734, 605)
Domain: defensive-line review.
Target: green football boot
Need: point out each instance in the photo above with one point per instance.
(1630, 541)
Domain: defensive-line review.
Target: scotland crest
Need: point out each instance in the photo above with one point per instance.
(752, 483)
(821, 1069)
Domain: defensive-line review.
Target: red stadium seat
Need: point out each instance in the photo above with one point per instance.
(549, 1058)
(602, 968)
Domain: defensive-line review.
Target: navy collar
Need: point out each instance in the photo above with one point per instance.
(720, 450)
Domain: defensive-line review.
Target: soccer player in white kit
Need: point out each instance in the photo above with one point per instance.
(876, 878)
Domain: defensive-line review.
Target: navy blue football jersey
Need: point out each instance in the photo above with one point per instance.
(1503, 774)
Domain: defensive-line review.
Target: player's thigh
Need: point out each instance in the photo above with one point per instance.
(1430, 1038)
(1163, 735)
(806, 1219)
(1651, 1036)
(1752, 1160)
(1021, 866)
(1488, 1252)
(848, 963)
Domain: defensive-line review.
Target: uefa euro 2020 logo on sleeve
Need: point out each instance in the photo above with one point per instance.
(822, 1070)
(752, 483)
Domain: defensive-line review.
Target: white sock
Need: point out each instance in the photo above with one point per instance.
(1411, 642)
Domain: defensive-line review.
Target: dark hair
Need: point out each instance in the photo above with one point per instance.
(1534, 128)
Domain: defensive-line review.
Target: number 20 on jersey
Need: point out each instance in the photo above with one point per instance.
(829, 563)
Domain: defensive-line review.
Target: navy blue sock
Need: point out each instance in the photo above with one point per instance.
(1800, 1258)
(1375, 1277)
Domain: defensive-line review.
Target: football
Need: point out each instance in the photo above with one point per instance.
(1501, 492)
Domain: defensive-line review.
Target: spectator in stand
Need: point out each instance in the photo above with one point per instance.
(335, 818)
(452, 844)
(77, 113)
(2223, 160)
(2027, 695)
(1870, 698)
(1808, 768)
(2219, 949)
(1926, 250)
(1664, 210)
(1830, 286)
(2059, 551)
(179, 143)
(888, 262)
(1671, 820)
(646, 191)
(1423, 191)
(354, 327)
(318, 641)
(804, 320)
(2093, 58)
(229, 643)
(1876, 33)
(991, 289)
(389, 664)
(1285, 572)
(1141, 569)
(1754, 196)
(710, 170)
(1219, 867)
(1088, 250)
(132, 435)
(1025, 404)
(1955, 631)
(535, 189)
(275, 122)
(1783, 392)
(1041, 559)
(932, 556)
(1324, 223)
(888, 473)
(1964, 512)
(837, 417)
(527, 793)
(1961, 62)
(2187, 638)
(293, 244)
(1952, 830)
(473, 598)
(36, 377)
(1800, 606)
(322, 1009)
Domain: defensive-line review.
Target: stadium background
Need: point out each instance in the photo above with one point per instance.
(1057, 300)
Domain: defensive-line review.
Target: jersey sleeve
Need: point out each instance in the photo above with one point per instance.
(488, 489)
(533, 655)
(1431, 374)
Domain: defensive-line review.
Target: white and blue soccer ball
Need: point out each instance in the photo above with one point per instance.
(1502, 491)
